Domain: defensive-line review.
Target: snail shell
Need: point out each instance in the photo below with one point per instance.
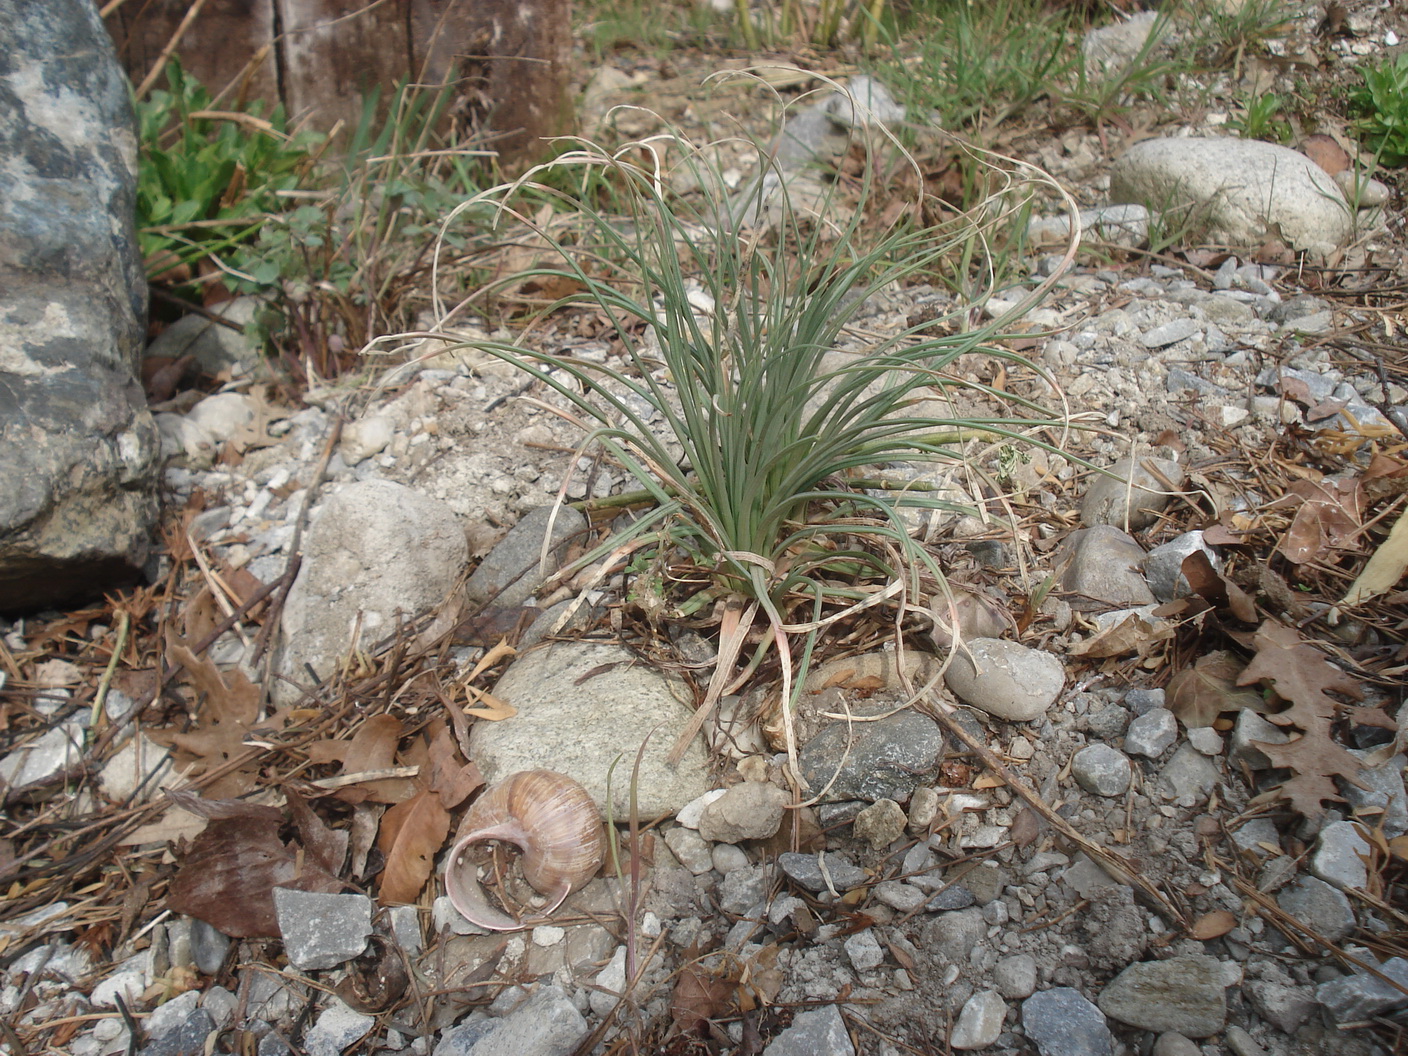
(547, 816)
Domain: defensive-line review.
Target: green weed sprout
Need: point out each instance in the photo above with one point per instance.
(730, 337)
(1382, 106)
(208, 178)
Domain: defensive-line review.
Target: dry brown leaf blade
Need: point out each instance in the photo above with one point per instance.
(1303, 675)
(411, 834)
(451, 778)
(228, 875)
(1197, 695)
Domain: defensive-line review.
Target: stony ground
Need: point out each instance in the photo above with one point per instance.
(1169, 817)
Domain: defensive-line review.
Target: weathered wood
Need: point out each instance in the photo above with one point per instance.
(334, 51)
(218, 46)
(509, 58)
(513, 60)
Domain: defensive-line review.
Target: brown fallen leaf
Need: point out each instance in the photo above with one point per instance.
(228, 874)
(1212, 925)
(227, 707)
(1134, 634)
(1302, 675)
(451, 778)
(699, 997)
(1215, 588)
(411, 834)
(1197, 695)
(1329, 516)
(1325, 152)
(371, 749)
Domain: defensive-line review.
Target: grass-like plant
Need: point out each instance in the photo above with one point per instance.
(730, 337)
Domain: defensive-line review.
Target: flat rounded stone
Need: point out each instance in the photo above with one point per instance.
(1186, 994)
(1006, 679)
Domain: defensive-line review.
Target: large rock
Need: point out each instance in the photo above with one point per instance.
(77, 446)
(584, 706)
(375, 551)
(1237, 191)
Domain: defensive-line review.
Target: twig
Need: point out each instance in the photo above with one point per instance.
(1111, 862)
(160, 64)
(101, 697)
(271, 618)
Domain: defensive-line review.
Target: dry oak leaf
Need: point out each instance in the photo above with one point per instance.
(411, 834)
(228, 708)
(1302, 675)
(372, 749)
(1329, 516)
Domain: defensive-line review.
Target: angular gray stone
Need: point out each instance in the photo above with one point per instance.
(804, 870)
(375, 552)
(1111, 498)
(321, 930)
(1356, 997)
(749, 811)
(1319, 906)
(689, 849)
(1110, 49)
(1284, 1007)
(1384, 799)
(1152, 733)
(1236, 190)
(1102, 770)
(1188, 773)
(863, 950)
(1006, 679)
(1061, 1022)
(547, 1024)
(1250, 730)
(953, 935)
(743, 890)
(1100, 567)
(1339, 855)
(581, 707)
(980, 1021)
(78, 449)
(510, 573)
(817, 1032)
(1163, 565)
(884, 759)
(1170, 333)
(336, 1029)
(1186, 994)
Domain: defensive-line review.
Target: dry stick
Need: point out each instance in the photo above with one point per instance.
(271, 618)
(1113, 863)
(160, 64)
(1285, 922)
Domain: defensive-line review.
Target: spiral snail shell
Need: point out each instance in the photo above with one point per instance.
(547, 816)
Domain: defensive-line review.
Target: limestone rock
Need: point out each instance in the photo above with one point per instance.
(1006, 679)
(78, 449)
(1237, 191)
(375, 552)
(583, 706)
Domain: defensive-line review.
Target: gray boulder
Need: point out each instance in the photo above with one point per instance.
(78, 449)
(1237, 191)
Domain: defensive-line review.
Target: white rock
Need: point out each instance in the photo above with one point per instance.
(222, 415)
(1006, 679)
(366, 437)
(980, 1022)
(1238, 189)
